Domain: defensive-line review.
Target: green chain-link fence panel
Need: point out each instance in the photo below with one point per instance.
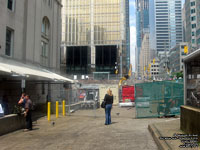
(157, 99)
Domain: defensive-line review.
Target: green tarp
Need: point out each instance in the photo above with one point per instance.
(157, 99)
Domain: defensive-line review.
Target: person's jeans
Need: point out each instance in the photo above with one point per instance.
(108, 113)
(29, 120)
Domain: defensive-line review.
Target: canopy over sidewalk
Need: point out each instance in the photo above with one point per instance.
(19, 69)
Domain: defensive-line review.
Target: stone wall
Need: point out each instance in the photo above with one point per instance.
(190, 120)
(11, 123)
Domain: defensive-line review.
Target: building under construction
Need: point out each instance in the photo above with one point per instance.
(95, 36)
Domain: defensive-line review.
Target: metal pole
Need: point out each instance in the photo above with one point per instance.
(63, 107)
(121, 65)
(49, 111)
(56, 109)
(94, 106)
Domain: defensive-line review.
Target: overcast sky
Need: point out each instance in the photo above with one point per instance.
(133, 30)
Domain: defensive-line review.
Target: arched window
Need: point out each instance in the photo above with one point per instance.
(45, 39)
(45, 26)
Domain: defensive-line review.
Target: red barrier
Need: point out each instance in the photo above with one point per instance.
(128, 93)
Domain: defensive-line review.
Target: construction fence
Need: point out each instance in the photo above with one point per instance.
(157, 99)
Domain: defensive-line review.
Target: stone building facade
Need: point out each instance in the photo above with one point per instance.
(30, 32)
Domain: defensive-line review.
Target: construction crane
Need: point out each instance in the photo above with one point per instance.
(126, 76)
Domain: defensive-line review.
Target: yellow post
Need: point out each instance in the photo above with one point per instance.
(56, 109)
(49, 111)
(63, 107)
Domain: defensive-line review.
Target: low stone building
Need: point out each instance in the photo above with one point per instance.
(30, 32)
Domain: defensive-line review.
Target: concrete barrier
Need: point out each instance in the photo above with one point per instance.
(190, 120)
(11, 123)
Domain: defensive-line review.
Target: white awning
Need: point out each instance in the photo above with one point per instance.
(14, 67)
(192, 55)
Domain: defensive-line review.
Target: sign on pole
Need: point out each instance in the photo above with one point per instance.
(23, 84)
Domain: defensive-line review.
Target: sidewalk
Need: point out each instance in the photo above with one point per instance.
(85, 130)
(164, 134)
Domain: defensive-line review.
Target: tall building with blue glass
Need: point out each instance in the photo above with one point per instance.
(168, 24)
(142, 23)
(127, 34)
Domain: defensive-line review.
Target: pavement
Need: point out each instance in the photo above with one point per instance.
(85, 130)
(168, 136)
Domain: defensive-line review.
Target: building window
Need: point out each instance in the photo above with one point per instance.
(193, 26)
(11, 5)
(192, 3)
(45, 26)
(193, 41)
(193, 34)
(44, 47)
(49, 3)
(9, 42)
(193, 18)
(192, 11)
(198, 41)
(45, 42)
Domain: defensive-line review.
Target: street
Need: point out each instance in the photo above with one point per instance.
(85, 130)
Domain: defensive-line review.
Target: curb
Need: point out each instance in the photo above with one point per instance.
(162, 144)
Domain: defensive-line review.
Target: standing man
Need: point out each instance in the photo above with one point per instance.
(22, 100)
(28, 113)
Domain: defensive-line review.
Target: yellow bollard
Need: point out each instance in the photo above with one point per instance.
(63, 107)
(56, 109)
(49, 111)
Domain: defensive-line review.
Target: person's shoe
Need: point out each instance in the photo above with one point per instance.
(25, 130)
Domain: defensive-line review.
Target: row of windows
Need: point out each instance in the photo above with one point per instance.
(154, 66)
(161, 7)
(161, 13)
(161, 16)
(177, 7)
(161, 10)
(154, 70)
(162, 22)
(44, 42)
(158, 35)
(161, 19)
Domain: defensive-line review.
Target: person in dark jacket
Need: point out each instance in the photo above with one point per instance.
(28, 113)
(109, 101)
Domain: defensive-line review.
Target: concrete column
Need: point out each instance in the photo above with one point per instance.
(93, 51)
(185, 82)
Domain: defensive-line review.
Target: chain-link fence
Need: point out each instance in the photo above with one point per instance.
(158, 99)
(76, 98)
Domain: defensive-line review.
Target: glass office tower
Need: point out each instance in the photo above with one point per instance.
(94, 35)
(142, 24)
(168, 26)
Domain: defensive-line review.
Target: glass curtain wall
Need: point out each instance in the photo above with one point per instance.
(79, 17)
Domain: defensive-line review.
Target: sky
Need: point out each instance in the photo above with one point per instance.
(133, 30)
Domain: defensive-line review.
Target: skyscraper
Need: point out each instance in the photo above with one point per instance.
(168, 24)
(142, 23)
(95, 35)
(192, 17)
